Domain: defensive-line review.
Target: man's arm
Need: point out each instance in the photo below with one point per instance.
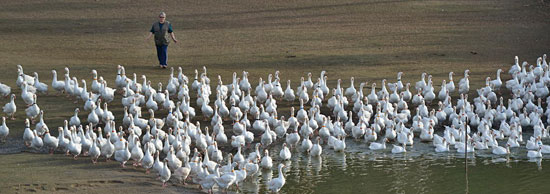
(149, 36)
(173, 37)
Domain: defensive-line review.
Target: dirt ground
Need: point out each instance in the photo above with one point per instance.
(370, 40)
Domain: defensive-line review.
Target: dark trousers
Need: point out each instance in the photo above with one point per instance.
(162, 54)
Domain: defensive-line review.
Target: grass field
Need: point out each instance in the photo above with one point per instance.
(370, 40)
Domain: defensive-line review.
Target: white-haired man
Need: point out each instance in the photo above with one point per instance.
(162, 30)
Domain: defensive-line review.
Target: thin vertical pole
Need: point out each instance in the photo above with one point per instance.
(466, 152)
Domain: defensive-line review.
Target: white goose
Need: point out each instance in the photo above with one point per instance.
(307, 145)
(75, 121)
(36, 142)
(107, 94)
(27, 134)
(58, 86)
(207, 111)
(22, 77)
(108, 149)
(10, 108)
(497, 83)
(339, 144)
(351, 90)
(26, 95)
(123, 155)
(5, 90)
(464, 84)
(226, 180)
(534, 154)
(94, 151)
(266, 162)
(285, 154)
(137, 154)
(499, 150)
(183, 172)
(289, 93)
(316, 150)
(398, 149)
(41, 126)
(148, 160)
(50, 141)
(451, 85)
(4, 130)
(276, 184)
(40, 87)
(93, 117)
(165, 173)
(33, 110)
(378, 146)
(74, 148)
(96, 86)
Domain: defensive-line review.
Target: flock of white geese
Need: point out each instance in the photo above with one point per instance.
(176, 147)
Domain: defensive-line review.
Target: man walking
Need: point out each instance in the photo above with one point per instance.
(163, 32)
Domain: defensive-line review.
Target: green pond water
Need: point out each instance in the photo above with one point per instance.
(420, 170)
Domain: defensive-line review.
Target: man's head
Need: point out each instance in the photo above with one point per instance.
(162, 17)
